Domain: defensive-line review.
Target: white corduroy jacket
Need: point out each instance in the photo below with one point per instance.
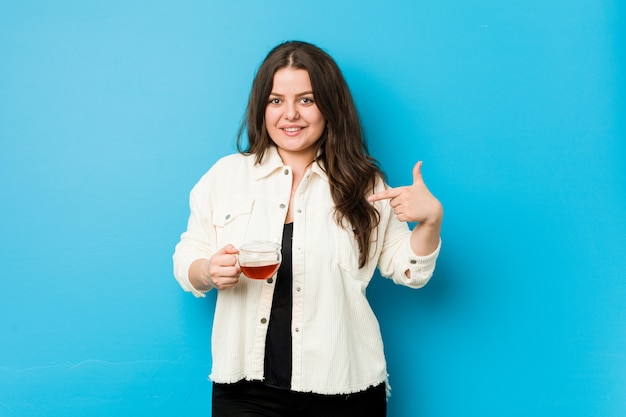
(337, 344)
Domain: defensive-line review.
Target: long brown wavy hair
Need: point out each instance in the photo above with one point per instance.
(341, 151)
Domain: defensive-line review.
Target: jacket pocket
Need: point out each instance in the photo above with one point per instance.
(347, 251)
(231, 219)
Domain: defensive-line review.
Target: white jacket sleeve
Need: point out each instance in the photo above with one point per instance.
(198, 241)
(397, 256)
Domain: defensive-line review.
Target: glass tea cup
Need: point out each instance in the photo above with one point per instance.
(259, 259)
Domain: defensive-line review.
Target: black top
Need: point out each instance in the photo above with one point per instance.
(278, 340)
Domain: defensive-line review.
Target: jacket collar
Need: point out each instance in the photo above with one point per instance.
(272, 162)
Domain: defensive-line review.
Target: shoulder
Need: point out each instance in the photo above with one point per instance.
(228, 165)
(225, 169)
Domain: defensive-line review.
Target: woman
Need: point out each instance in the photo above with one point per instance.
(306, 341)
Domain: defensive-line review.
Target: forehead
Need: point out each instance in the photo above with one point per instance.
(291, 80)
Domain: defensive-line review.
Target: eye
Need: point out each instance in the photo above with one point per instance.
(307, 100)
(274, 101)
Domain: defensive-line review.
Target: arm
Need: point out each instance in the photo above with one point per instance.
(415, 203)
(199, 275)
(198, 265)
(425, 236)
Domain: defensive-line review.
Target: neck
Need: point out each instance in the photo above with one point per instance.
(299, 162)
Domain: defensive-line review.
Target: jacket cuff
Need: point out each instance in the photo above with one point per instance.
(181, 272)
(421, 268)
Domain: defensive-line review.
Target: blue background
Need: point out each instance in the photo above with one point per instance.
(111, 111)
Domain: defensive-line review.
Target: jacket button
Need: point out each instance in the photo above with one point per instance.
(286, 172)
(282, 206)
(263, 320)
(270, 280)
(413, 261)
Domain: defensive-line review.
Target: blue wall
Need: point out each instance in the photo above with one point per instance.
(111, 111)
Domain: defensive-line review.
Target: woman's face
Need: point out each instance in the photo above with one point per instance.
(292, 118)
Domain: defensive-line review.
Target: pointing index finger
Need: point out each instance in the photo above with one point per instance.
(382, 195)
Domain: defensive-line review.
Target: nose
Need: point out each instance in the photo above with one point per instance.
(291, 111)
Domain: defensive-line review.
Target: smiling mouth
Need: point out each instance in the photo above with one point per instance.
(292, 129)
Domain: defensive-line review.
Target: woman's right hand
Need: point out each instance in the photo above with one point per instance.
(221, 271)
(224, 269)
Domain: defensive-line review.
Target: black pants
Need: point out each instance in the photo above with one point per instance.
(254, 399)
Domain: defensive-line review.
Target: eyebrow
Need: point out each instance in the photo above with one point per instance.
(297, 95)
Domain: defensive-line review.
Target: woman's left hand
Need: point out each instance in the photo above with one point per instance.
(413, 203)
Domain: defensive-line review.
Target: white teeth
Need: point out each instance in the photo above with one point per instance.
(292, 129)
